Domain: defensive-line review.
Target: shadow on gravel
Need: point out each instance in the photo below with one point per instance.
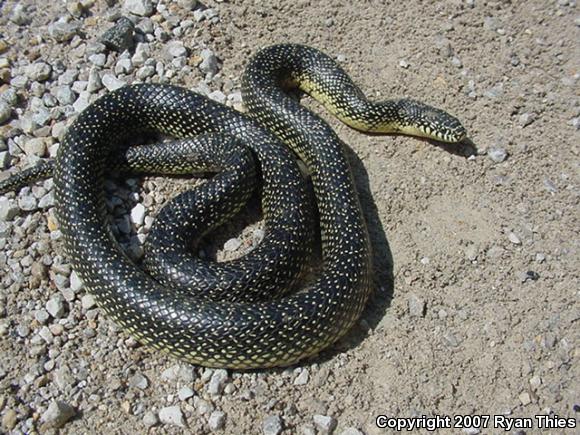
(465, 148)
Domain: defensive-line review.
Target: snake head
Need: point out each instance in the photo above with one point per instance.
(418, 119)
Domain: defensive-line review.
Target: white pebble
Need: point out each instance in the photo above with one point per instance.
(138, 214)
(302, 378)
(232, 245)
(111, 82)
(498, 155)
(185, 393)
(514, 238)
(217, 420)
(172, 415)
(55, 307)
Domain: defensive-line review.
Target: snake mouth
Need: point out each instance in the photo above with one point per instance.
(444, 134)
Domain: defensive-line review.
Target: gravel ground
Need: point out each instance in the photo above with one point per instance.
(476, 248)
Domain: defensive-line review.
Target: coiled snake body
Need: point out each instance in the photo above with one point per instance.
(238, 333)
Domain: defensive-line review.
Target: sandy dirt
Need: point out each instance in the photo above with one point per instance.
(476, 259)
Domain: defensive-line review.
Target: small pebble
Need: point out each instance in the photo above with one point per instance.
(142, 53)
(209, 63)
(75, 282)
(38, 71)
(63, 31)
(495, 91)
(145, 72)
(75, 8)
(46, 334)
(143, 8)
(403, 64)
(451, 339)
(471, 252)
(217, 382)
(57, 414)
(455, 61)
(47, 200)
(185, 393)
(526, 119)
(27, 203)
(22, 331)
(4, 160)
(498, 155)
(9, 419)
(302, 378)
(182, 373)
(550, 186)
(98, 59)
(5, 111)
(218, 96)
(138, 214)
(41, 316)
(232, 245)
(187, 4)
(8, 210)
(55, 307)
(35, 147)
(217, 420)
(63, 378)
(272, 425)
(111, 82)
(514, 238)
(94, 83)
(138, 381)
(535, 382)
(530, 275)
(324, 423)
(172, 415)
(120, 36)
(176, 49)
(525, 398)
(88, 302)
(124, 66)
(203, 406)
(150, 419)
(416, 306)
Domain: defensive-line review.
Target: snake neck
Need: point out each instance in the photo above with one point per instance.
(320, 77)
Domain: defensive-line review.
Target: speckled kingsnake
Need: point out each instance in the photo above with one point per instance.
(239, 334)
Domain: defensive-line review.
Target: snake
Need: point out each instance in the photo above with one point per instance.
(275, 326)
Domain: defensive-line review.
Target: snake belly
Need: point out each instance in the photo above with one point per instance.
(224, 333)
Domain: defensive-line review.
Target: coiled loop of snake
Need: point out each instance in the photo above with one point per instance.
(240, 334)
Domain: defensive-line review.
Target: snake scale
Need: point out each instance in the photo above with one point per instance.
(268, 327)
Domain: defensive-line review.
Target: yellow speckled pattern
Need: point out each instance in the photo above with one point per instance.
(259, 332)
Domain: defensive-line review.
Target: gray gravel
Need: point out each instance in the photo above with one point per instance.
(120, 36)
(139, 7)
(172, 415)
(272, 425)
(57, 414)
